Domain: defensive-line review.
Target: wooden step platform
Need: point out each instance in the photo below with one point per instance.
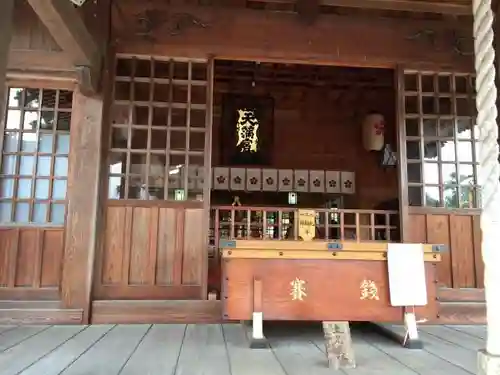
(38, 312)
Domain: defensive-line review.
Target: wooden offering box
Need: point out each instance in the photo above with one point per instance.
(316, 280)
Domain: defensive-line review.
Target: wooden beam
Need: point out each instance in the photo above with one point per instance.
(68, 29)
(278, 36)
(308, 10)
(37, 60)
(439, 7)
(6, 23)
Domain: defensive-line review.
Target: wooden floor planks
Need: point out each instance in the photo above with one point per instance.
(26, 353)
(203, 351)
(211, 349)
(158, 352)
(245, 361)
(56, 361)
(420, 361)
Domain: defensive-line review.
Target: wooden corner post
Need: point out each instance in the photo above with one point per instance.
(83, 197)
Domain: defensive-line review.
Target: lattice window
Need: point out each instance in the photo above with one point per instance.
(159, 131)
(441, 139)
(34, 165)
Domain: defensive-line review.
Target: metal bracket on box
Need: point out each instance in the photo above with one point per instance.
(227, 244)
(439, 248)
(334, 246)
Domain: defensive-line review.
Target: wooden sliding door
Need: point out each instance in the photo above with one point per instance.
(155, 240)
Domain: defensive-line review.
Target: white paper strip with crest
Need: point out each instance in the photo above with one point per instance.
(221, 178)
(269, 180)
(254, 179)
(301, 180)
(285, 177)
(317, 181)
(332, 181)
(347, 182)
(237, 179)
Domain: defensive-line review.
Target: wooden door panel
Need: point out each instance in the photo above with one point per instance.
(152, 252)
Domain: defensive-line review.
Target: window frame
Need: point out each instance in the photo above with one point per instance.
(41, 85)
(419, 116)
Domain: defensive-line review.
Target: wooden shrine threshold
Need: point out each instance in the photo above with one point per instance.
(151, 312)
(223, 350)
(455, 307)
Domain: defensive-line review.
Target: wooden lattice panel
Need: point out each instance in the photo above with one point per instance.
(159, 128)
(440, 139)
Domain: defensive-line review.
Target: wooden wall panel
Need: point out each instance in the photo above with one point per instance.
(461, 265)
(438, 231)
(53, 244)
(29, 31)
(166, 258)
(152, 252)
(30, 261)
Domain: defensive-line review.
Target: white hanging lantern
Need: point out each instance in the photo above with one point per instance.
(373, 132)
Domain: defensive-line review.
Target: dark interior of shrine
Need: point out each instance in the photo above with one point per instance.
(311, 120)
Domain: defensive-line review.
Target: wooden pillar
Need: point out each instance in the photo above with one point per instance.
(6, 22)
(488, 178)
(83, 196)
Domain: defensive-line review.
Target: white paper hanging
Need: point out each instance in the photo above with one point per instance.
(254, 179)
(269, 179)
(221, 178)
(347, 182)
(317, 181)
(237, 179)
(332, 181)
(407, 282)
(301, 180)
(285, 180)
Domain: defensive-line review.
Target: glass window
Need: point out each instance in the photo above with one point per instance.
(34, 167)
(441, 157)
(158, 130)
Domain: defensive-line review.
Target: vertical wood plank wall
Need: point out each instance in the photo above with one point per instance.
(151, 251)
(30, 263)
(29, 32)
(461, 265)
